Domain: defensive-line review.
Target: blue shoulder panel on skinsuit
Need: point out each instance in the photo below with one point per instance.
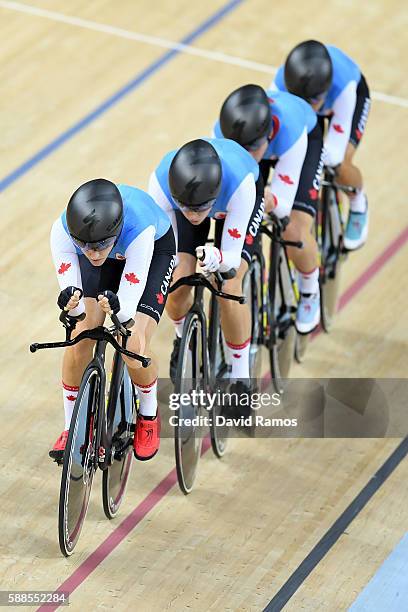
(140, 211)
(291, 116)
(236, 165)
(344, 71)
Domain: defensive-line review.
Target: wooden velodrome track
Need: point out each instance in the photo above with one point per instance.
(254, 516)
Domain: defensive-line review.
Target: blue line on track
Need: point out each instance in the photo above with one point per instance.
(140, 78)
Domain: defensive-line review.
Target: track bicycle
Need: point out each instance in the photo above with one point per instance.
(100, 434)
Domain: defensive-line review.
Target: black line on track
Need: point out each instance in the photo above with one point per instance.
(337, 529)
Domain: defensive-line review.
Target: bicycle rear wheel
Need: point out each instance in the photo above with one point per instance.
(191, 376)
(79, 463)
(331, 260)
(282, 339)
(121, 422)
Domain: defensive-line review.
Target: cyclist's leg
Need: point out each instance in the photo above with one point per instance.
(77, 357)
(236, 325)
(178, 304)
(300, 228)
(349, 174)
(147, 317)
(235, 317)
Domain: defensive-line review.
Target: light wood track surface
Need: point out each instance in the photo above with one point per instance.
(256, 514)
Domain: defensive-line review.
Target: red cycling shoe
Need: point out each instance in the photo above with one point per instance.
(57, 451)
(147, 437)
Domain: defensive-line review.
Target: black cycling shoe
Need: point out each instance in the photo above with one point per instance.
(174, 359)
(241, 404)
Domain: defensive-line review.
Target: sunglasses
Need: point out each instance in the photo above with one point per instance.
(100, 245)
(199, 208)
(255, 144)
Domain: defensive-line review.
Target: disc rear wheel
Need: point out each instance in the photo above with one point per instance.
(116, 476)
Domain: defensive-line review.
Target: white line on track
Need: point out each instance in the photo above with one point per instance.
(168, 44)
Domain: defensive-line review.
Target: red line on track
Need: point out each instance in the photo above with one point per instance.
(156, 495)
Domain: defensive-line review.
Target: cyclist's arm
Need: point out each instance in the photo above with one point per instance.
(66, 262)
(239, 210)
(286, 176)
(158, 195)
(134, 276)
(340, 125)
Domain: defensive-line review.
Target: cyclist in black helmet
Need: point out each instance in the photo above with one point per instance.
(113, 251)
(280, 130)
(336, 88)
(204, 179)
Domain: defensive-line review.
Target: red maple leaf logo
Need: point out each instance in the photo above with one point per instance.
(236, 356)
(71, 398)
(313, 194)
(234, 233)
(338, 128)
(285, 179)
(249, 239)
(63, 268)
(358, 134)
(132, 278)
(160, 298)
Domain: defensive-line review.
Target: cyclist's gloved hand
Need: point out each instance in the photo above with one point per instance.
(69, 298)
(210, 258)
(109, 302)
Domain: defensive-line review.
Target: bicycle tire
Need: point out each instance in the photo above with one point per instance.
(253, 290)
(121, 422)
(330, 276)
(78, 467)
(190, 375)
(282, 307)
(301, 345)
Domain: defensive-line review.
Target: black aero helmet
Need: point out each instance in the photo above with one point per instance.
(246, 115)
(308, 70)
(95, 211)
(195, 173)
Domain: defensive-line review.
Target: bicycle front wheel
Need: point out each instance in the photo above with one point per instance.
(253, 290)
(191, 377)
(79, 464)
(121, 422)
